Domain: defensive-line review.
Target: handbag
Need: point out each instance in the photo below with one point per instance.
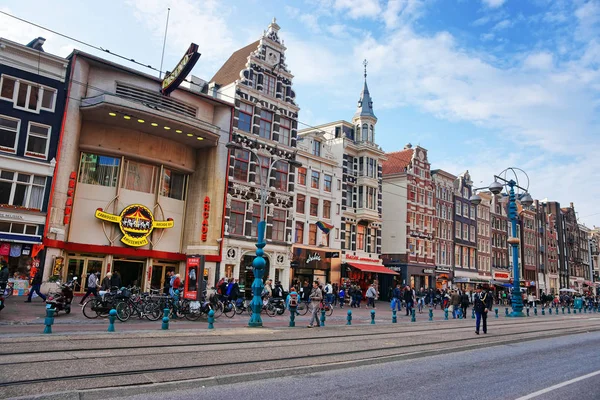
(451, 308)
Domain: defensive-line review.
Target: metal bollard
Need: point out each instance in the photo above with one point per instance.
(496, 311)
(528, 311)
(394, 317)
(112, 315)
(165, 320)
(349, 318)
(430, 314)
(550, 310)
(292, 317)
(543, 311)
(563, 310)
(445, 314)
(506, 311)
(535, 311)
(473, 313)
(372, 317)
(49, 319)
(322, 317)
(556, 310)
(211, 319)
(413, 316)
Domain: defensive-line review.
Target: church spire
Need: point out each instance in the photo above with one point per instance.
(365, 103)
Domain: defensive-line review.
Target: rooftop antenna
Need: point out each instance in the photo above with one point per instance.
(162, 58)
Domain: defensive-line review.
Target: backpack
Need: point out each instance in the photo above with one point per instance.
(293, 300)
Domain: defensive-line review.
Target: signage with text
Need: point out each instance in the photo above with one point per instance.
(428, 271)
(357, 258)
(183, 68)
(310, 259)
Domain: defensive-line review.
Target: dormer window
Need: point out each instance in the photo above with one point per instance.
(316, 148)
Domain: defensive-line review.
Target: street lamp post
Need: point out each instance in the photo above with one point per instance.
(526, 200)
(259, 262)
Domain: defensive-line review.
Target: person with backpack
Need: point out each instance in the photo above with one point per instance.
(371, 296)
(342, 296)
(316, 296)
(292, 299)
(328, 290)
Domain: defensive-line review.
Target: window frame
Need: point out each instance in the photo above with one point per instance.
(315, 176)
(278, 224)
(325, 180)
(283, 128)
(242, 213)
(33, 154)
(299, 232)
(249, 114)
(153, 182)
(312, 234)
(14, 182)
(16, 144)
(316, 148)
(16, 89)
(300, 199)
(327, 209)
(85, 173)
(302, 176)
(313, 206)
(262, 124)
(239, 160)
(269, 82)
(281, 175)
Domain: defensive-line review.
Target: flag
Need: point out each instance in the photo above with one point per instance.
(325, 227)
(36, 249)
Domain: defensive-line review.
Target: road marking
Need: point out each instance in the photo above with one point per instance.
(558, 386)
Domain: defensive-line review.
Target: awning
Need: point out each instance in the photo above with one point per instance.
(379, 269)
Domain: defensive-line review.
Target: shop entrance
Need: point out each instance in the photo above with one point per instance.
(82, 267)
(159, 275)
(247, 274)
(130, 271)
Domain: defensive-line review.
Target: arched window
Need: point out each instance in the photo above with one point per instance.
(371, 134)
(365, 132)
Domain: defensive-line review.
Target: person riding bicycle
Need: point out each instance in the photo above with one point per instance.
(277, 291)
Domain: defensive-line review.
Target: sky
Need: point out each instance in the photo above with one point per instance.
(481, 84)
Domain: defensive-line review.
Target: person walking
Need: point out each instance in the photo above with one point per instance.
(371, 296)
(409, 299)
(3, 275)
(482, 304)
(92, 286)
(328, 289)
(396, 298)
(342, 296)
(464, 304)
(455, 303)
(316, 296)
(36, 283)
(115, 280)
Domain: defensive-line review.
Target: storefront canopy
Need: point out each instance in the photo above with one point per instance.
(379, 269)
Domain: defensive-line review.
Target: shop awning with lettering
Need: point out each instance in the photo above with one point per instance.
(379, 269)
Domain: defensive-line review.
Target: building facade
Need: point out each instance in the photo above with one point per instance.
(529, 248)
(575, 249)
(484, 239)
(32, 100)
(465, 234)
(139, 184)
(258, 82)
(444, 227)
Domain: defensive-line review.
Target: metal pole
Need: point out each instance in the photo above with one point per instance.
(517, 300)
(164, 44)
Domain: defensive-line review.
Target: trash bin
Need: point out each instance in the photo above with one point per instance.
(578, 303)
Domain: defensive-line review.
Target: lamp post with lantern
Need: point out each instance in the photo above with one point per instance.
(506, 182)
(259, 263)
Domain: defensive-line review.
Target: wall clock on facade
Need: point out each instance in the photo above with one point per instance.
(421, 156)
(272, 57)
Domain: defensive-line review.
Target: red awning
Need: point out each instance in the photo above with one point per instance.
(380, 269)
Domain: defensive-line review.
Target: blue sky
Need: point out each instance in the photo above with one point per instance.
(482, 84)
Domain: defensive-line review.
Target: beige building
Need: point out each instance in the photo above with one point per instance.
(139, 183)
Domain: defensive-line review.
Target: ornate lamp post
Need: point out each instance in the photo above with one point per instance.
(259, 262)
(499, 184)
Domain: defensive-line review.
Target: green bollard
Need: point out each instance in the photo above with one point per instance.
(535, 311)
(394, 317)
(473, 313)
(550, 310)
(445, 314)
(292, 317)
(175, 302)
(322, 317)
(349, 318)
(413, 316)
(49, 319)
(528, 311)
(430, 314)
(496, 311)
(112, 315)
(211, 319)
(165, 320)
(543, 311)
(372, 317)
(506, 311)
(563, 310)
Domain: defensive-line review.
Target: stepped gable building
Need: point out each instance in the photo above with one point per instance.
(528, 247)
(484, 233)
(465, 235)
(575, 247)
(444, 227)
(500, 227)
(32, 100)
(257, 80)
(354, 147)
(410, 232)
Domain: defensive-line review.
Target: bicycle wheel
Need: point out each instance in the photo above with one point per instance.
(87, 309)
(123, 311)
(8, 292)
(152, 311)
(230, 309)
(329, 310)
(302, 308)
(218, 309)
(270, 310)
(193, 311)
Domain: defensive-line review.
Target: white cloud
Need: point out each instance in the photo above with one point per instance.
(588, 16)
(486, 37)
(398, 11)
(359, 8)
(539, 61)
(493, 3)
(502, 25)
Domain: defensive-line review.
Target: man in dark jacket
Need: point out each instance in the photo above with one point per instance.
(115, 280)
(36, 283)
(482, 303)
(409, 299)
(3, 275)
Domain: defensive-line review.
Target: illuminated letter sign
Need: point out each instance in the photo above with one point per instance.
(136, 223)
(205, 215)
(175, 77)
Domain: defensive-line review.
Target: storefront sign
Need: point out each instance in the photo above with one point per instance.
(58, 264)
(205, 215)
(174, 79)
(357, 258)
(313, 257)
(442, 269)
(501, 275)
(136, 223)
(4, 215)
(309, 259)
(69, 201)
(428, 271)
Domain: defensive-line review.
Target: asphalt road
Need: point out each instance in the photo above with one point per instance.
(512, 371)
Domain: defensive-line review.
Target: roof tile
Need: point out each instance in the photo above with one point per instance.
(397, 161)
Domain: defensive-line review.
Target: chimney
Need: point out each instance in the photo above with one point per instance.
(572, 205)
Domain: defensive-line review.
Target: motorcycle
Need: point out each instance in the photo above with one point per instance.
(61, 301)
(275, 306)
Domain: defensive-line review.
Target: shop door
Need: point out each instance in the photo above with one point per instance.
(159, 276)
(76, 268)
(91, 267)
(130, 272)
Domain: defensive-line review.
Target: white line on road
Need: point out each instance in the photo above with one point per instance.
(558, 386)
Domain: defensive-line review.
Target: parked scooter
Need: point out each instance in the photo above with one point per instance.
(61, 301)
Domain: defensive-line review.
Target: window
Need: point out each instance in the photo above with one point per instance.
(465, 211)
(347, 237)
(339, 184)
(472, 233)
(371, 198)
(302, 176)
(371, 134)
(9, 133)
(236, 217)
(285, 125)
(255, 220)
(173, 184)
(361, 232)
(312, 234)
(99, 170)
(37, 140)
(269, 86)
(27, 96)
(365, 133)
(326, 209)
(299, 238)
(266, 121)
(240, 164)
(472, 212)
(281, 174)
(327, 182)
(7, 90)
(337, 208)
(300, 203)
(314, 179)
(316, 148)
(279, 216)
(314, 206)
(139, 177)
(465, 232)
(245, 117)
(22, 190)
(264, 169)
(20, 229)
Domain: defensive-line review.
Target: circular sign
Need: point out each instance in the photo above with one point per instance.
(136, 222)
